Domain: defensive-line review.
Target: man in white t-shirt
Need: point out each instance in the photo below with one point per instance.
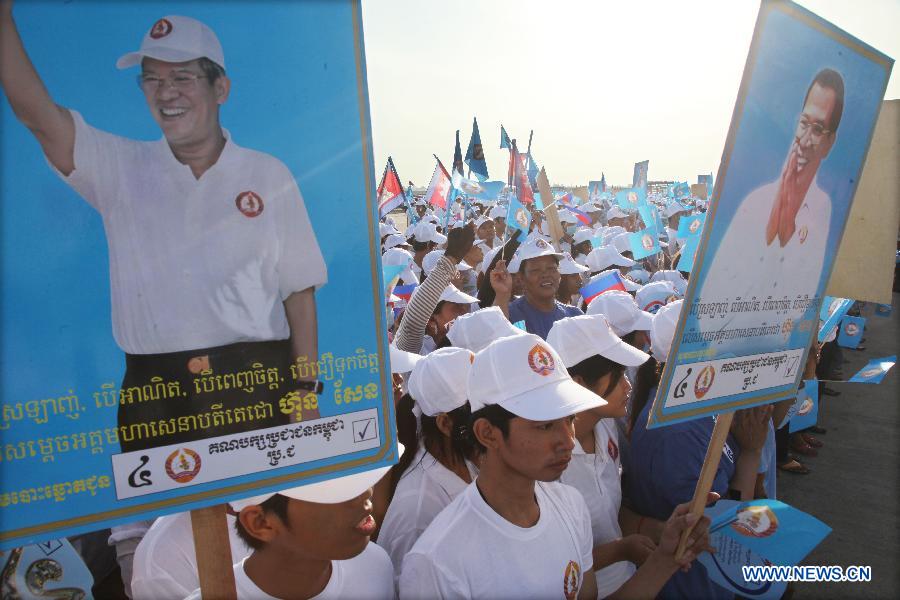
(213, 261)
(775, 245)
(313, 542)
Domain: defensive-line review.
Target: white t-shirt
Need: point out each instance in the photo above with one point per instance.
(469, 551)
(165, 563)
(424, 490)
(365, 576)
(195, 263)
(598, 477)
(745, 265)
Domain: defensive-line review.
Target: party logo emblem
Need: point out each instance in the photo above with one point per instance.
(249, 203)
(541, 361)
(183, 465)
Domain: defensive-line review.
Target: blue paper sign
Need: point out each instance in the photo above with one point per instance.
(688, 253)
(631, 198)
(644, 243)
(759, 275)
(692, 225)
(149, 303)
(830, 315)
(875, 370)
(725, 568)
(806, 413)
(851, 331)
(883, 310)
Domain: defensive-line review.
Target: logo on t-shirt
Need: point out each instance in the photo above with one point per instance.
(756, 521)
(570, 582)
(612, 449)
(704, 381)
(249, 203)
(160, 29)
(541, 361)
(183, 465)
(804, 232)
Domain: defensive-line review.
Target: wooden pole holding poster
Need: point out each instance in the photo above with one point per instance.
(214, 560)
(550, 213)
(707, 473)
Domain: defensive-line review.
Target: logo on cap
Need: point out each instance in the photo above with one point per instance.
(183, 465)
(570, 580)
(541, 244)
(161, 29)
(704, 381)
(653, 306)
(249, 203)
(541, 361)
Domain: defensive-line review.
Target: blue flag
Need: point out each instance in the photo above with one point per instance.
(457, 156)
(875, 370)
(533, 172)
(692, 225)
(630, 199)
(504, 139)
(518, 217)
(602, 181)
(832, 311)
(851, 332)
(883, 310)
(644, 243)
(475, 154)
(639, 180)
(806, 407)
(688, 252)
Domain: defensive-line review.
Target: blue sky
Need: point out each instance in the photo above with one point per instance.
(603, 84)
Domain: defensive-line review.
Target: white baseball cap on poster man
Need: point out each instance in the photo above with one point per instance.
(176, 39)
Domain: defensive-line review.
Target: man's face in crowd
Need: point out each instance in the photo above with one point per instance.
(540, 277)
(486, 231)
(184, 104)
(538, 450)
(813, 139)
(499, 226)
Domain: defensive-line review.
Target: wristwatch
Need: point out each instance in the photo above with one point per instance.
(315, 387)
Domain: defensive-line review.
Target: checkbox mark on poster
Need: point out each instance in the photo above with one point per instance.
(364, 430)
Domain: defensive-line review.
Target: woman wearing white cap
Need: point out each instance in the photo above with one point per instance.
(665, 462)
(516, 532)
(570, 281)
(435, 303)
(596, 359)
(435, 467)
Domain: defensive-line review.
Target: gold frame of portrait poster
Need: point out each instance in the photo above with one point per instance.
(656, 418)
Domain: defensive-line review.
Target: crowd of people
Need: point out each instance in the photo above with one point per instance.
(526, 468)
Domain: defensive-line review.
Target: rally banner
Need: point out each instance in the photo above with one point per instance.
(174, 334)
(798, 139)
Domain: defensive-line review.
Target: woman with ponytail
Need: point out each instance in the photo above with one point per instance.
(432, 423)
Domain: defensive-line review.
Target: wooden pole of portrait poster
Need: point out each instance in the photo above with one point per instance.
(551, 214)
(213, 550)
(707, 473)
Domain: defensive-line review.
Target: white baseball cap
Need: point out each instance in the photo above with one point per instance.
(568, 266)
(663, 330)
(399, 256)
(526, 376)
(566, 216)
(532, 248)
(616, 213)
(583, 235)
(622, 243)
(675, 277)
(332, 491)
(621, 311)
(476, 330)
(612, 231)
(639, 275)
(602, 258)
(426, 231)
(581, 337)
(393, 240)
(386, 229)
(489, 258)
(176, 39)
(498, 212)
(454, 295)
(438, 381)
(430, 261)
(674, 207)
(655, 295)
(402, 361)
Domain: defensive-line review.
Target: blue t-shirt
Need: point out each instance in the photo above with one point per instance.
(664, 467)
(537, 321)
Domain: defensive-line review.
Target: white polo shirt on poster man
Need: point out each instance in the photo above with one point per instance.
(195, 263)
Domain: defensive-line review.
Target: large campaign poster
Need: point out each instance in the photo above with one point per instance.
(178, 333)
(800, 131)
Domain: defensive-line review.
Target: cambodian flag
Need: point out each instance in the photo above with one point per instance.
(390, 191)
(405, 291)
(607, 283)
(579, 214)
(439, 189)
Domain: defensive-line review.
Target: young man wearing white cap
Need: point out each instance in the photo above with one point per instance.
(312, 541)
(515, 532)
(537, 265)
(184, 216)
